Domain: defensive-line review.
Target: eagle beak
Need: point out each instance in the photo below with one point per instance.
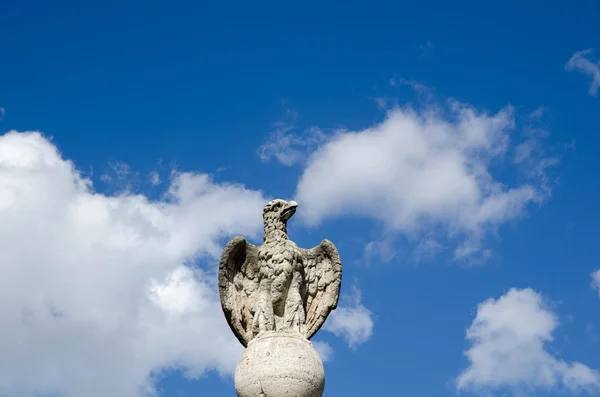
(289, 210)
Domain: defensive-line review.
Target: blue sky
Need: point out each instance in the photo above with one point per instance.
(448, 150)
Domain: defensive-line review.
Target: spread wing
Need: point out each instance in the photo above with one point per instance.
(238, 285)
(323, 275)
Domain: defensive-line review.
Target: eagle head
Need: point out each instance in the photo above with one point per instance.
(278, 210)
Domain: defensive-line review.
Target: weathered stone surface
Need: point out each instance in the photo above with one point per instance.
(278, 286)
(275, 297)
(280, 364)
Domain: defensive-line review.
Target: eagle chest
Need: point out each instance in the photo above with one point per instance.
(278, 259)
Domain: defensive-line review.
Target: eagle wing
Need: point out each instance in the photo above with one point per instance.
(238, 285)
(323, 278)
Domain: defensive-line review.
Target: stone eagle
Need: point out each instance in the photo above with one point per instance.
(278, 286)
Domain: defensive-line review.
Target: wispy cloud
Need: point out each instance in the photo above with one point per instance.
(424, 93)
(580, 61)
(537, 114)
(426, 250)
(384, 103)
(324, 350)
(379, 250)
(415, 85)
(426, 49)
(120, 176)
(154, 178)
(596, 280)
(287, 147)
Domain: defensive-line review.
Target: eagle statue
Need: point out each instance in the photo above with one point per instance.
(278, 286)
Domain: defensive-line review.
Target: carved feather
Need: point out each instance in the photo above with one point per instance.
(238, 285)
(323, 277)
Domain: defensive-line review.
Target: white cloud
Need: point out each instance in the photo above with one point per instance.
(100, 293)
(415, 85)
(423, 92)
(537, 114)
(324, 350)
(596, 280)
(287, 147)
(424, 171)
(383, 103)
(351, 320)
(427, 249)
(97, 293)
(154, 178)
(380, 250)
(120, 177)
(580, 61)
(509, 338)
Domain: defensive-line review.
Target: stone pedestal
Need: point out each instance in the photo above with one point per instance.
(280, 364)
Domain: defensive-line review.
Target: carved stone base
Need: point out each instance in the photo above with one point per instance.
(280, 364)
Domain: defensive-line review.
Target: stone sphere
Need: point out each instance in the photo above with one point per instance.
(280, 364)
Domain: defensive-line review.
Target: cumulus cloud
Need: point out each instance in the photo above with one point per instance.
(101, 293)
(351, 320)
(509, 348)
(423, 171)
(580, 61)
